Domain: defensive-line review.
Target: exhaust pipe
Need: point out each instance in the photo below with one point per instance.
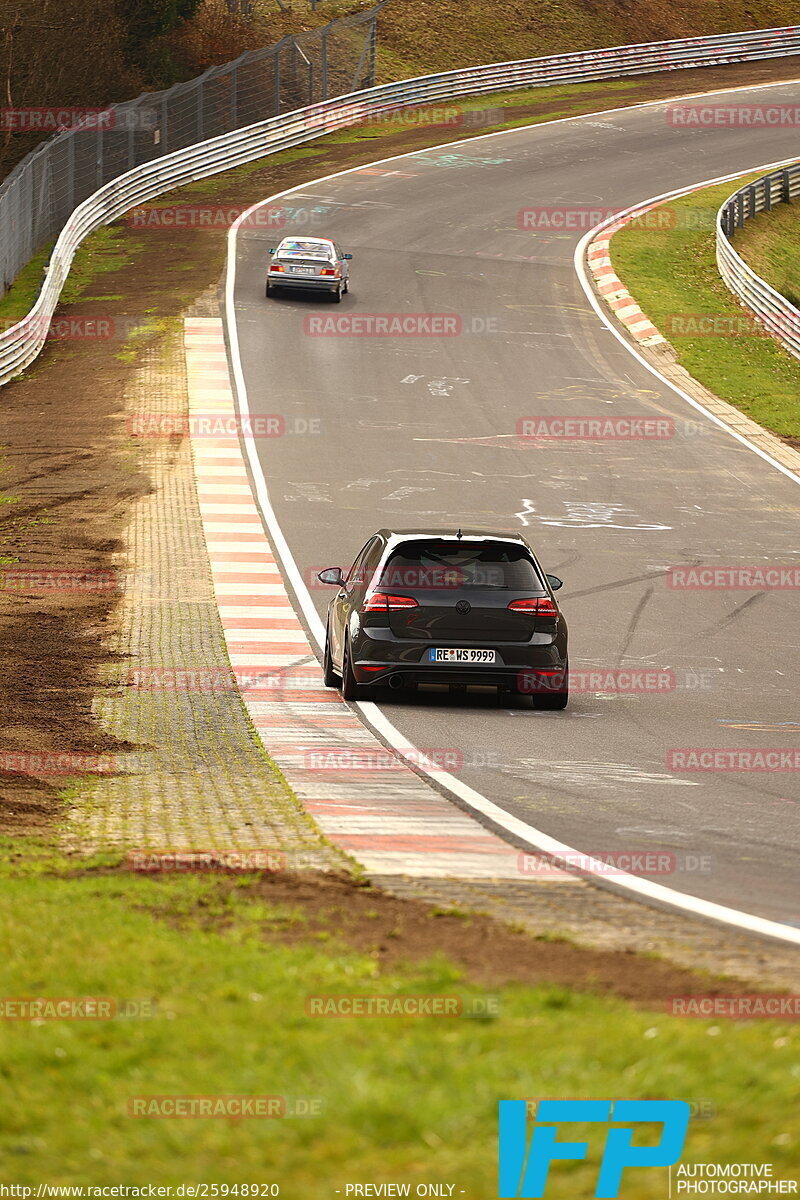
(395, 681)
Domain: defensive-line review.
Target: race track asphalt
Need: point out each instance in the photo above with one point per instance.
(408, 431)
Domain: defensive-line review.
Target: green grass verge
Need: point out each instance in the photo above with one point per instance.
(104, 251)
(673, 273)
(418, 36)
(401, 1099)
(770, 244)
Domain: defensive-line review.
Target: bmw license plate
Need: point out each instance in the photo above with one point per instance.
(303, 270)
(462, 656)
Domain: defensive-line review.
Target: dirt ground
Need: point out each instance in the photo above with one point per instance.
(397, 931)
(69, 471)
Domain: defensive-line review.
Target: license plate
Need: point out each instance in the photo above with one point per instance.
(462, 656)
(303, 270)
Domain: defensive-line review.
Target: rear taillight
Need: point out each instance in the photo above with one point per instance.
(275, 267)
(536, 606)
(329, 271)
(384, 602)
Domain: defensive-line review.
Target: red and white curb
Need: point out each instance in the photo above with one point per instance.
(363, 796)
(613, 290)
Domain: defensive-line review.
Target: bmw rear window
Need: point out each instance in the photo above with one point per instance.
(313, 249)
(429, 564)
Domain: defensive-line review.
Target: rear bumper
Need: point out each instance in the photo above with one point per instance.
(519, 670)
(306, 283)
(499, 677)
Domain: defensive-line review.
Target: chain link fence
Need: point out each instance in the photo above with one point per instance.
(38, 196)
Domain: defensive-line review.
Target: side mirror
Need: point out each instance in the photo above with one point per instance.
(272, 250)
(331, 575)
(347, 256)
(555, 582)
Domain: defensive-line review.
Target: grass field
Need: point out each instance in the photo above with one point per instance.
(403, 1099)
(673, 275)
(770, 244)
(420, 36)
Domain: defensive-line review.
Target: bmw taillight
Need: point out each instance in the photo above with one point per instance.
(536, 606)
(275, 267)
(385, 602)
(329, 271)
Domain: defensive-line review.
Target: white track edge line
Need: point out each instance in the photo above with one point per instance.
(534, 837)
(580, 269)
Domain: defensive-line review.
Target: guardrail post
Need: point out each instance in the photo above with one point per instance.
(786, 177)
(277, 80)
(739, 210)
(200, 114)
(234, 99)
(163, 141)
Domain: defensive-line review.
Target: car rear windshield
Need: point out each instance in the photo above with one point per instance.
(317, 249)
(429, 564)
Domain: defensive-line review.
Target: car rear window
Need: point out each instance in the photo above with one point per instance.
(315, 249)
(428, 564)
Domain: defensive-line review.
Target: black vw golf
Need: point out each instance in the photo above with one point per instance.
(470, 607)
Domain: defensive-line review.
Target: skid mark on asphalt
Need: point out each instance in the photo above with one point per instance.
(634, 621)
(718, 626)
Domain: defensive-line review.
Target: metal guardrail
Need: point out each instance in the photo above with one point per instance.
(38, 195)
(775, 312)
(20, 344)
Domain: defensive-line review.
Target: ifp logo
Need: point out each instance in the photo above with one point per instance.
(524, 1169)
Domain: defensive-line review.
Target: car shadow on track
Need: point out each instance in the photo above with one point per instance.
(433, 696)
